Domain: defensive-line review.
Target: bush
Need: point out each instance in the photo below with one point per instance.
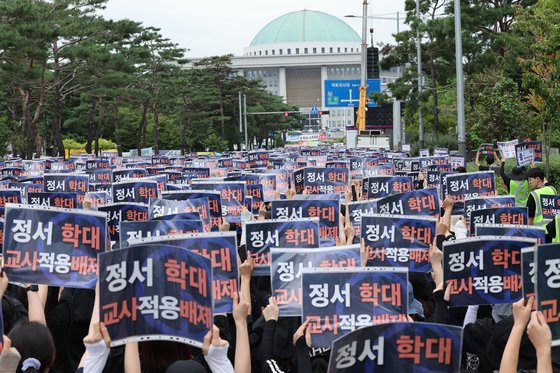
(104, 144)
(435, 141)
(279, 140)
(213, 142)
(72, 144)
(554, 170)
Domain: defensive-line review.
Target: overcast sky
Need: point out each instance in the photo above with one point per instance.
(209, 28)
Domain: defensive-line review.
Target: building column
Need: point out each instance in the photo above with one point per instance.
(324, 76)
(282, 90)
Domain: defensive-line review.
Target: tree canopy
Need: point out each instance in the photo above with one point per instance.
(68, 73)
(509, 57)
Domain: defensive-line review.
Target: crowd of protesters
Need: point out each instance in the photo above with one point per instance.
(49, 329)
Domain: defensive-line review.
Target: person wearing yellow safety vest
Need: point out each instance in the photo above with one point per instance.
(516, 184)
(538, 187)
(553, 230)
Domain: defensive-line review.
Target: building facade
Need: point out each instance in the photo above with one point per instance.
(295, 53)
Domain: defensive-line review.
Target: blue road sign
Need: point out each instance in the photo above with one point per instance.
(340, 93)
(314, 111)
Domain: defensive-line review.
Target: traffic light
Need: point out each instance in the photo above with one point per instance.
(372, 67)
(324, 112)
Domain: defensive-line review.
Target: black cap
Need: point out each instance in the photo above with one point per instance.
(536, 172)
(518, 173)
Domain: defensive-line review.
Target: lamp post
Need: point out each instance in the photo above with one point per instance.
(461, 139)
(245, 120)
(240, 123)
(396, 111)
(361, 120)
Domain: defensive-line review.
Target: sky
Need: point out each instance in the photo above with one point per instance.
(210, 28)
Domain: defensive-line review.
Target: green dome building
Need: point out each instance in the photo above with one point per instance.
(305, 26)
(296, 53)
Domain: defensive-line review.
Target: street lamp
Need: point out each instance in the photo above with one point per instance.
(361, 120)
(396, 108)
(461, 139)
(397, 18)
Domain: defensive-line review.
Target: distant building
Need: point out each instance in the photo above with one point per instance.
(295, 53)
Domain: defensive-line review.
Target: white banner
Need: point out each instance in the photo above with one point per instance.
(507, 148)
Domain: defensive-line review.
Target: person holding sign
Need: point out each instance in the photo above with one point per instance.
(539, 186)
(489, 161)
(539, 335)
(516, 184)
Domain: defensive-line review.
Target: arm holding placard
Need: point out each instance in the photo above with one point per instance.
(302, 342)
(242, 348)
(521, 315)
(34, 305)
(447, 206)
(215, 352)
(131, 358)
(497, 158)
(541, 337)
(9, 358)
(245, 271)
(97, 342)
(270, 314)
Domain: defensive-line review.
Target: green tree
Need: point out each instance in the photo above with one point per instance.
(213, 142)
(500, 112)
(25, 30)
(542, 68)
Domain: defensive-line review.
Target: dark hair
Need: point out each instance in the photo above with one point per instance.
(536, 173)
(157, 356)
(33, 340)
(489, 159)
(461, 169)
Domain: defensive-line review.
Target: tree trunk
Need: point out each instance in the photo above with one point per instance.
(546, 145)
(37, 115)
(142, 130)
(156, 128)
(99, 126)
(434, 92)
(186, 126)
(91, 124)
(222, 115)
(28, 140)
(116, 123)
(58, 144)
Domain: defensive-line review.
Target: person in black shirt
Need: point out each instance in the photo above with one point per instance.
(489, 161)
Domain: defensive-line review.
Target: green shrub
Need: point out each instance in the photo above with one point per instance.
(103, 144)
(72, 144)
(435, 141)
(106, 144)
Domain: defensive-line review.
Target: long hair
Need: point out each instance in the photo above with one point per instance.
(157, 356)
(33, 340)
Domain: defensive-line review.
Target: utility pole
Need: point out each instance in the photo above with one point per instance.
(461, 139)
(419, 72)
(245, 120)
(361, 120)
(240, 123)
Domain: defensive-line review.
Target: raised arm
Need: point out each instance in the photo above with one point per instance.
(242, 349)
(521, 315)
(34, 304)
(477, 160)
(541, 337)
